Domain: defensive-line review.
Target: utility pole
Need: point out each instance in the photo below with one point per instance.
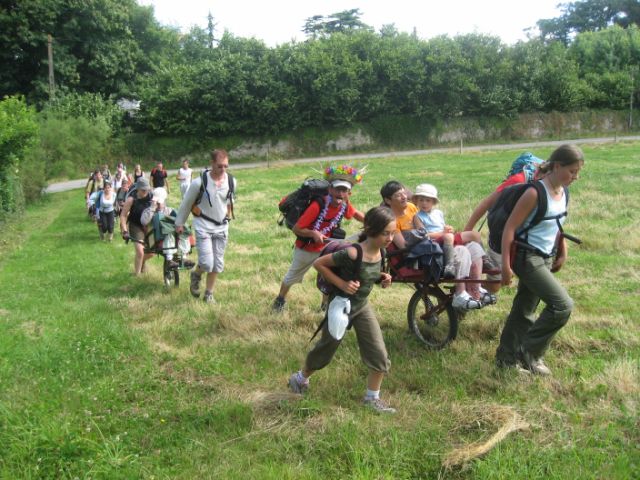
(52, 83)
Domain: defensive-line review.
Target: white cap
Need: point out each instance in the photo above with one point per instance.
(426, 190)
(341, 183)
(159, 195)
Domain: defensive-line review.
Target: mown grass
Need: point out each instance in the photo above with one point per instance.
(103, 375)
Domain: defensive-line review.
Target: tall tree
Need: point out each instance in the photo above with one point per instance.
(588, 16)
(339, 22)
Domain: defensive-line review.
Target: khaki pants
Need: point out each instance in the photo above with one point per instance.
(372, 349)
(523, 331)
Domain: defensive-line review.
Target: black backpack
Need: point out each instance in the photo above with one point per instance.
(501, 210)
(293, 205)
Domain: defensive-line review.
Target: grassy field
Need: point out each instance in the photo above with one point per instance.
(103, 375)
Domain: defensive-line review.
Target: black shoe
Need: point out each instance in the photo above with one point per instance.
(173, 264)
(278, 304)
(488, 265)
(188, 264)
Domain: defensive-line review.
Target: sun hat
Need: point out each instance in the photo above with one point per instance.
(426, 190)
(159, 194)
(143, 184)
(338, 316)
(341, 183)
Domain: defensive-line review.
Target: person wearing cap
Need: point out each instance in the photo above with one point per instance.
(159, 207)
(463, 252)
(316, 225)
(105, 211)
(131, 221)
(210, 198)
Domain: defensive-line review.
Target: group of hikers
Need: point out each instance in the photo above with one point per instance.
(531, 245)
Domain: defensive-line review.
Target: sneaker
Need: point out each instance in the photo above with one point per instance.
(377, 405)
(504, 365)
(278, 304)
(449, 272)
(208, 297)
(173, 264)
(295, 386)
(488, 265)
(487, 298)
(464, 301)
(534, 365)
(188, 264)
(195, 284)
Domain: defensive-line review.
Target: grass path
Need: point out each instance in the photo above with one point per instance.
(107, 376)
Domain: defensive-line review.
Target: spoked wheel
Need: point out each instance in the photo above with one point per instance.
(431, 317)
(171, 275)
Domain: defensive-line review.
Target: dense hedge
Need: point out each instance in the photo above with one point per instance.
(244, 87)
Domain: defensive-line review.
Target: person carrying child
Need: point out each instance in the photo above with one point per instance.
(539, 250)
(159, 207)
(316, 225)
(468, 296)
(379, 229)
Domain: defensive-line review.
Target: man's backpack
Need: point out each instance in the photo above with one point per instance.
(501, 210)
(294, 204)
(204, 179)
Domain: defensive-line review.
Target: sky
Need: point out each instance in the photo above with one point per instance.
(279, 21)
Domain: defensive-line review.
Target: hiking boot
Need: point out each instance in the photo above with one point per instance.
(449, 272)
(278, 304)
(296, 386)
(464, 301)
(488, 265)
(194, 288)
(208, 297)
(487, 298)
(377, 405)
(534, 365)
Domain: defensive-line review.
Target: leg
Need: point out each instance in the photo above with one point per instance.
(300, 265)
(471, 236)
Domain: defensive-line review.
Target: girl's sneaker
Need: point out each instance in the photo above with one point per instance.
(296, 386)
(464, 301)
(377, 405)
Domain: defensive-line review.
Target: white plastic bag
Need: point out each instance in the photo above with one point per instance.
(338, 316)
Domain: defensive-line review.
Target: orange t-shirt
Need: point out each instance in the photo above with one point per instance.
(405, 222)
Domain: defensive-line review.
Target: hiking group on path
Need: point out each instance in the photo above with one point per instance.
(526, 237)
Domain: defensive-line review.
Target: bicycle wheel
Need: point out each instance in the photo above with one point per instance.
(432, 318)
(170, 275)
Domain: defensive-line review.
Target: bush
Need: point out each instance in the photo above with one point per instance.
(18, 132)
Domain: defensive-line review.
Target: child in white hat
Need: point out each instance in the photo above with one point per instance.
(463, 252)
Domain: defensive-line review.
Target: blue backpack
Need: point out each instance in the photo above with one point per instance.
(527, 162)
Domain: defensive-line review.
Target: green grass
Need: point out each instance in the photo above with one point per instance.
(103, 375)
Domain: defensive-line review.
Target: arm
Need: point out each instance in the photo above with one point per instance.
(482, 208)
(561, 254)
(302, 228)
(187, 202)
(417, 223)
(323, 266)
(522, 209)
(123, 217)
(359, 216)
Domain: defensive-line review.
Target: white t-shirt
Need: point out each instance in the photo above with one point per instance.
(185, 174)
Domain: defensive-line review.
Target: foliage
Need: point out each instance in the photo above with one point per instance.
(18, 133)
(108, 376)
(341, 22)
(588, 16)
(72, 146)
(91, 106)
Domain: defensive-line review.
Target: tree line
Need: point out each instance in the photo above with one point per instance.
(197, 84)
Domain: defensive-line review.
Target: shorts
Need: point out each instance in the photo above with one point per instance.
(300, 265)
(497, 259)
(136, 232)
(211, 247)
(457, 239)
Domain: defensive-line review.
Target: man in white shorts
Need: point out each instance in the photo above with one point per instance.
(210, 199)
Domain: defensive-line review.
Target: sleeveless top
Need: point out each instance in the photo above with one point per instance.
(543, 235)
(139, 206)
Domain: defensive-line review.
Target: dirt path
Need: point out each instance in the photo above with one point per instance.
(74, 184)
